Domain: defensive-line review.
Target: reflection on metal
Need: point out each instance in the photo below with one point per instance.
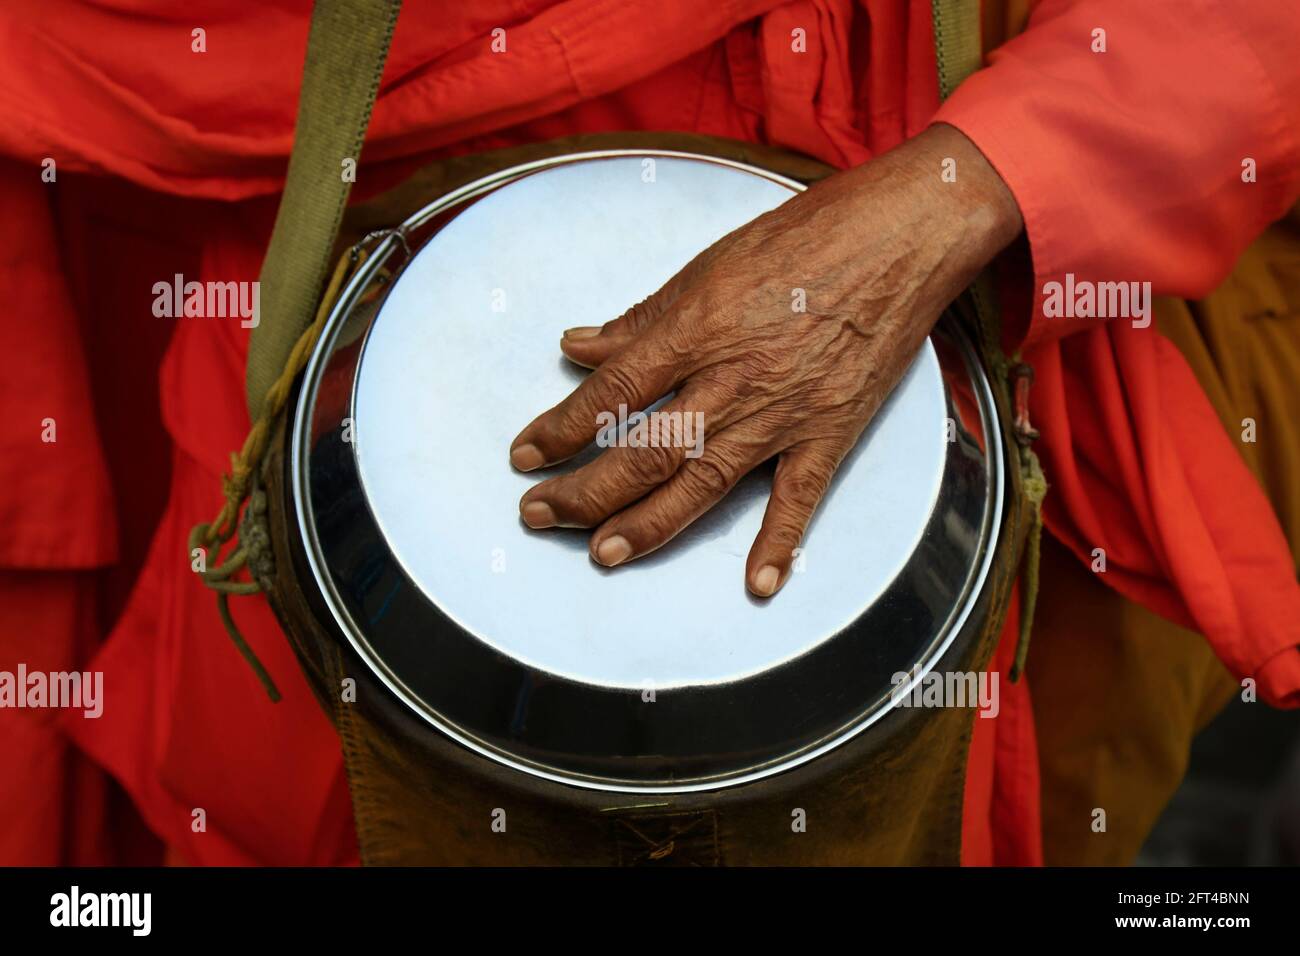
(512, 641)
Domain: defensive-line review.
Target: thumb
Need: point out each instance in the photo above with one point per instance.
(591, 345)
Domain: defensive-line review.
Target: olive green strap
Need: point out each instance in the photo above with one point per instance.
(958, 53)
(346, 49)
(956, 41)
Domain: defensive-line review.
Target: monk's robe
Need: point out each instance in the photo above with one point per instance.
(1126, 163)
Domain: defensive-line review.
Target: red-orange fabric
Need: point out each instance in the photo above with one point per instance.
(115, 88)
(52, 796)
(56, 507)
(1131, 165)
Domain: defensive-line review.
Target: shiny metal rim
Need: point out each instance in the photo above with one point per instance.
(344, 620)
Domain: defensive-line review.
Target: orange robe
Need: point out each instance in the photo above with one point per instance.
(1126, 165)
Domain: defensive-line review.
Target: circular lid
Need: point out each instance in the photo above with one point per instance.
(665, 673)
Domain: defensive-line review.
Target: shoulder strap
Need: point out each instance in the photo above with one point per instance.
(956, 41)
(346, 49)
(958, 53)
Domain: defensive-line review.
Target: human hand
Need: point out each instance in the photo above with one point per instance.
(879, 251)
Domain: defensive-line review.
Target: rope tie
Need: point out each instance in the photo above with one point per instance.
(240, 485)
(1034, 489)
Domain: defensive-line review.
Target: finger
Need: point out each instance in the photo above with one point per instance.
(591, 345)
(622, 474)
(697, 486)
(636, 379)
(802, 476)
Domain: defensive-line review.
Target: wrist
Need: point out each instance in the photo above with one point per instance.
(956, 205)
(968, 189)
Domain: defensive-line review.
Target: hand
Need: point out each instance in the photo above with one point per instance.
(879, 251)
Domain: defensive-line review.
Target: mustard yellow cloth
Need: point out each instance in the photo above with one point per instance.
(1119, 692)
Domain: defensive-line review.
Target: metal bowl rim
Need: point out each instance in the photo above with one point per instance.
(299, 450)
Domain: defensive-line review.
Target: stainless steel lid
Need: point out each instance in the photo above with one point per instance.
(666, 674)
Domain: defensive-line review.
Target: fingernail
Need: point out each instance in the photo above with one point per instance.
(765, 581)
(582, 332)
(538, 514)
(526, 458)
(613, 550)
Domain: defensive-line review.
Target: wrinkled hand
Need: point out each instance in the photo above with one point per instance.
(878, 252)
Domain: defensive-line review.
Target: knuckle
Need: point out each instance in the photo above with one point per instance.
(677, 346)
(641, 314)
(746, 377)
(804, 487)
(617, 381)
(710, 478)
(653, 463)
(804, 490)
